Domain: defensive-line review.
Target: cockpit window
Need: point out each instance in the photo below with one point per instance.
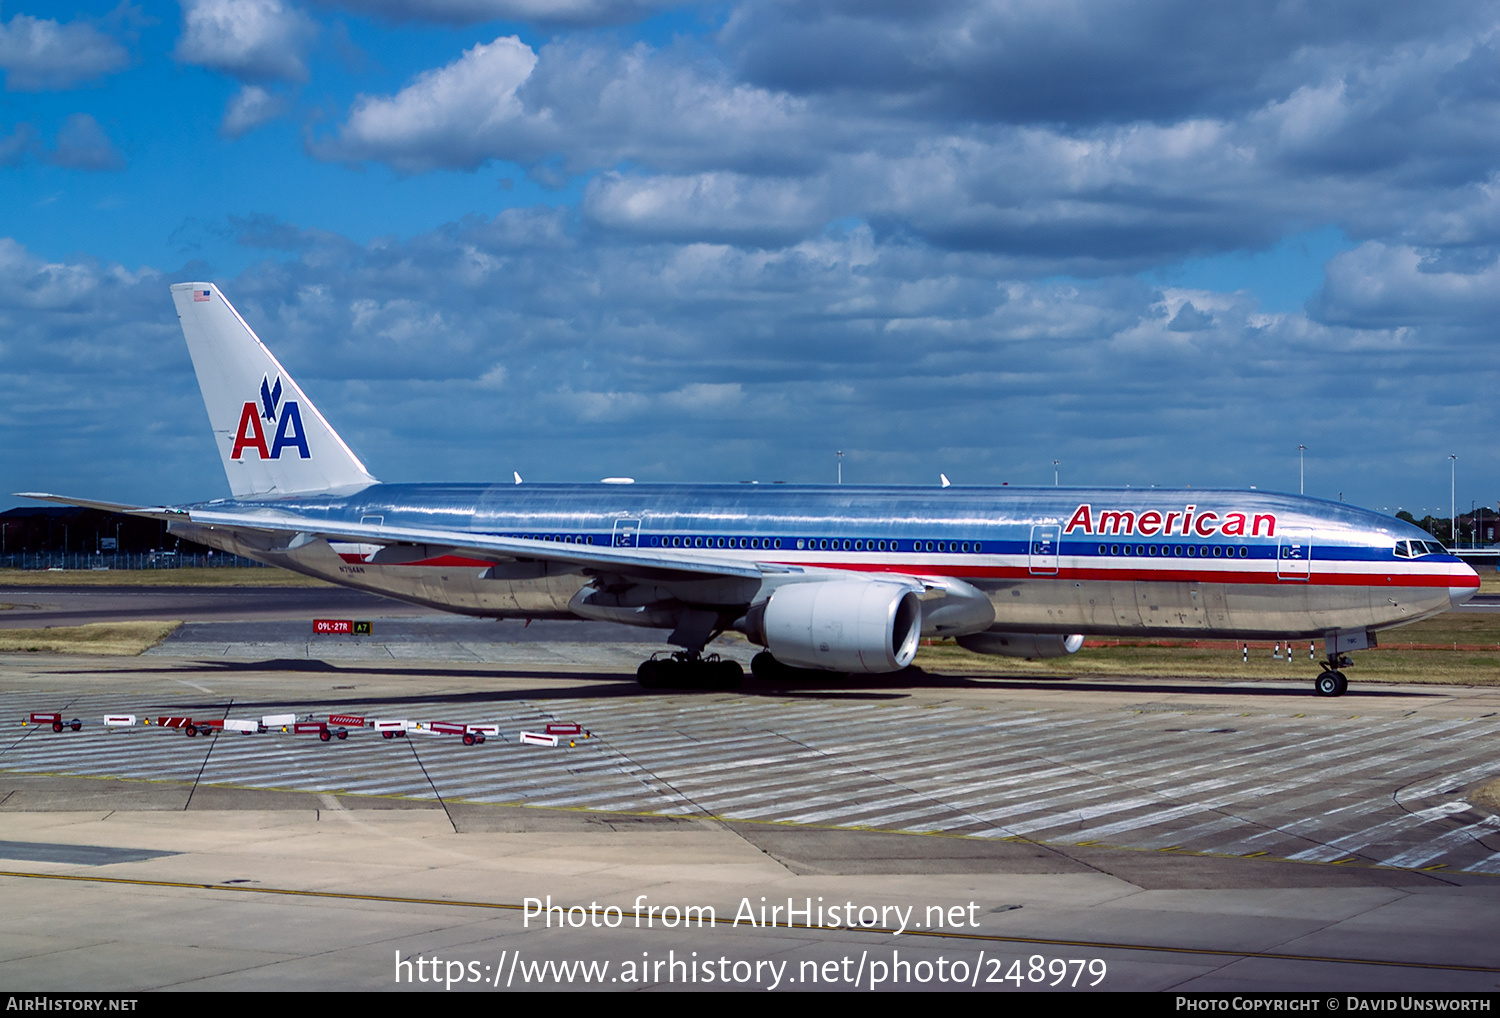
(1415, 549)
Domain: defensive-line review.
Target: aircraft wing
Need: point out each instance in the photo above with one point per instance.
(489, 546)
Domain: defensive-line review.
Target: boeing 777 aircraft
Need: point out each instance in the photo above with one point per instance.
(843, 579)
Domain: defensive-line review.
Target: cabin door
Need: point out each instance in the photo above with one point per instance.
(627, 531)
(1294, 555)
(1043, 552)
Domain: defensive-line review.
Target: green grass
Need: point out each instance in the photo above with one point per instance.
(113, 638)
(1440, 650)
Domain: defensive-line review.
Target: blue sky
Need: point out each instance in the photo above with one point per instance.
(1161, 243)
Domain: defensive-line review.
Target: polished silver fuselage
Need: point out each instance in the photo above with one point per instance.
(1104, 562)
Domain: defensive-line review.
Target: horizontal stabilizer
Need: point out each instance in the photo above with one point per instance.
(159, 512)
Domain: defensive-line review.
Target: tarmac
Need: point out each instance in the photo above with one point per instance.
(927, 831)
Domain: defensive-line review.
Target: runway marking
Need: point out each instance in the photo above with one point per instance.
(1101, 945)
(1284, 785)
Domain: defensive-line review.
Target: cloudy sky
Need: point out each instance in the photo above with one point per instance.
(1160, 241)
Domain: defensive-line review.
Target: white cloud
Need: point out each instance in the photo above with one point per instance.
(461, 114)
(580, 106)
(473, 12)
(1385, 285)
(39, 54)
(708, 207)
(252, 40)
(20, 145)
(83, 145)
(251, 107)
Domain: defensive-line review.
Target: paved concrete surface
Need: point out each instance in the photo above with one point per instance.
(37, 607)
(423, 639)
(1173, 834)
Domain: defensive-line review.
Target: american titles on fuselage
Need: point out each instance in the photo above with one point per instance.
(1150, 523)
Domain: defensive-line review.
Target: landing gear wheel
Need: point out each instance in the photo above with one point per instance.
(649, 674)
(685, 670)
(1331, 684)
(725, 675)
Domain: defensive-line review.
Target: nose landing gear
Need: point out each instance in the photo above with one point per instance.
(1332, 681)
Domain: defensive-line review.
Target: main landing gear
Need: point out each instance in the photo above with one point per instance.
(689, 670)
(1332, 682)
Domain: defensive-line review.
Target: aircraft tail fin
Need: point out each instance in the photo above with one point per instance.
(273, 441)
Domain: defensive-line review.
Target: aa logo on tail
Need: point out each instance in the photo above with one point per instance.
(286, 416)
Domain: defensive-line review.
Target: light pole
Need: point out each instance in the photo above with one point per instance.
(1054, 472)
(1301, 470)
(841, 466)
(1453, 499)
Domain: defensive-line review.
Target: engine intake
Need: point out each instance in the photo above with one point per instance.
(839, 625)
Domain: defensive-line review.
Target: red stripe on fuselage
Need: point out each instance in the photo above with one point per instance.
(452, 560)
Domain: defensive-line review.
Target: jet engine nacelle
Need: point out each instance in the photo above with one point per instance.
(839, 625)
(1027, 645)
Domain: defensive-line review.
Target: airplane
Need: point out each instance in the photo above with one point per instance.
(825, 578)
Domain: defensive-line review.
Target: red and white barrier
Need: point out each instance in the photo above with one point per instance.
(336, 726)
(52, 719)
(392, 729)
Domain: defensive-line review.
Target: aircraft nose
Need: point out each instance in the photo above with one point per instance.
(1459, 595)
